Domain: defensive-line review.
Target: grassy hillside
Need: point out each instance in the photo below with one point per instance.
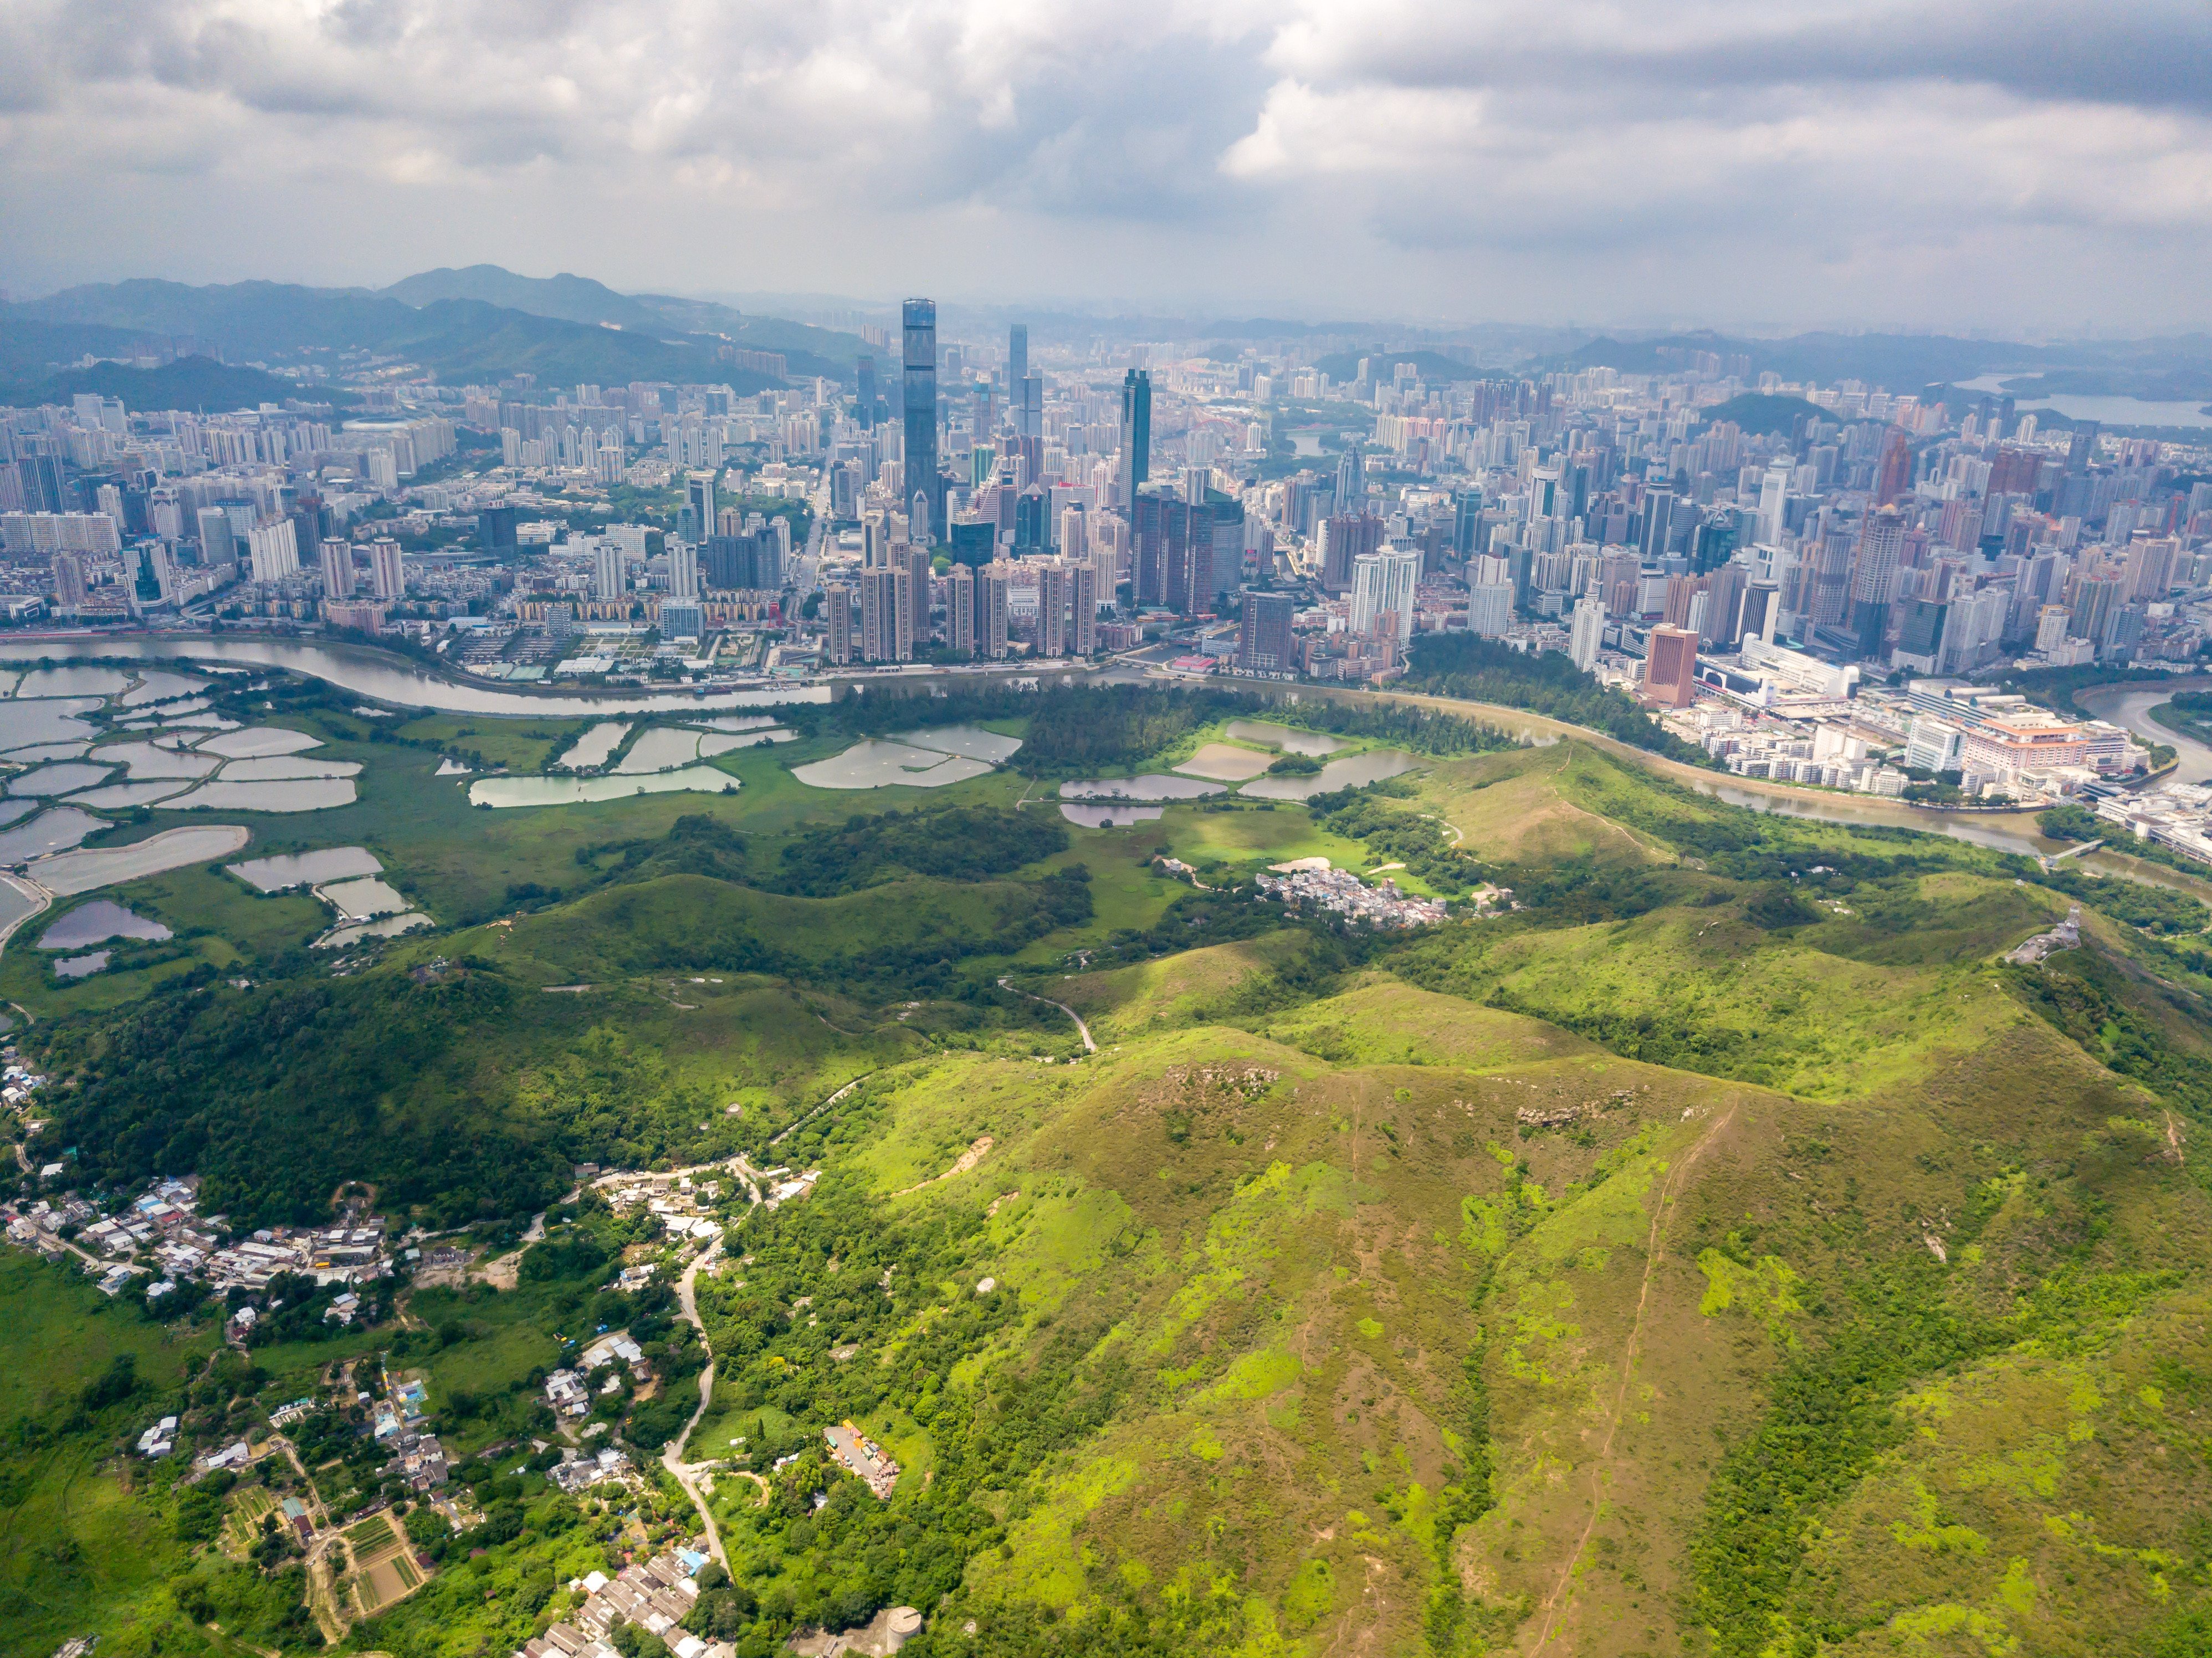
(1726, 1252)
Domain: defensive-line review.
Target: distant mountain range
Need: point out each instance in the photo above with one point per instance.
(480, 324)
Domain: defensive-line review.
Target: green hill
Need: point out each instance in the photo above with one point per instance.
(190, 382)
(1727, 1251)
(1762, 415)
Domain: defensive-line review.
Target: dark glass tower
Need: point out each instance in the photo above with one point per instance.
(863, 402)
(920, 401)
(1136, 436)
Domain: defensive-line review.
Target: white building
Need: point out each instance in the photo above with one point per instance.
(274, 550)
(1382, 585)
(1490, 608)
(1588, 633)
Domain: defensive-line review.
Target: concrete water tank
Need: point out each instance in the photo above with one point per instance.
(904, 1624)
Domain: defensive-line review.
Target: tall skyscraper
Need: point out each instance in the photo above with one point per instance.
(919, 321)
(886, 615)
(864, 400)
(699, 506)
(1874, 571)
(1670, 671)
(960, 609)
(1018, 358)
(336, 557)
(682, 570)
(917, 592)
(1894, 477)
(1773, 499)
(1052, 608)
(993, 582)
(1587, 633)
(610, 575)
(1263, 635)
(841, 621)
(1082, 606)
(1382, 592)
(216, 544)
(1136, 436)
(496, 529)
(1350, 481)
(387, 569)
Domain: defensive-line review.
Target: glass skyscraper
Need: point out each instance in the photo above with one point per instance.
(1136, 436)
(921, 363)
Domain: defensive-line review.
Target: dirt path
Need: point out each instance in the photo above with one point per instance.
(1081, 1028)
(1655, 1253)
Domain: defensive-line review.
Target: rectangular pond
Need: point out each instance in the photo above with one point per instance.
(298, 869)
(97, 922)
(89, 868)
(503, 792)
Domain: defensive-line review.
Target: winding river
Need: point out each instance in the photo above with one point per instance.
(2130, 705)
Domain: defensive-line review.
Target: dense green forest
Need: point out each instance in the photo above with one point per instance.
(1546, 683)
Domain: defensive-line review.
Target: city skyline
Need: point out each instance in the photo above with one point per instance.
(2021, 167)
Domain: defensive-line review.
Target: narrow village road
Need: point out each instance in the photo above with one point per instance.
(671, 1457)
(1081, 1028)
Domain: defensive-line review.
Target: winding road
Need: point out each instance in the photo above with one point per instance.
(672, 1455)
(1082, 1029)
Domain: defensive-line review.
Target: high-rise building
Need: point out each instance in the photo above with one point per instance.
(1587, 633)
(336, 558)
(610, 574)
(69, 581)
(863, 402)
(1382, 592)
(918, 565)
(1052, 608)
(1136, 436)
(1670, 671)
(274, 549)
(1350, 481)
(1873, 575)
(1018, 358)
(387, 569)
(216, 545)
(919, 324)
(960, 609)
(1263, 633)
(1773, 499)
(887, 615)
(839, 621)
(1893, 476)
(1082, 606)
(699, 506)
(992, 584)
(682, 570)
(1345, 536)
(496, 529)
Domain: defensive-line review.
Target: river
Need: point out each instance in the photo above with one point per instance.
(383, 677)
(2130, 705)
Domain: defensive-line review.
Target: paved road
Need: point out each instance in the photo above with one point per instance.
(671, 1457)
(1082, 1029)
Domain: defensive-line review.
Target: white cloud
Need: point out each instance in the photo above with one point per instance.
(2034, 159)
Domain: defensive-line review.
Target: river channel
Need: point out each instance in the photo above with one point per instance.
(383, 677)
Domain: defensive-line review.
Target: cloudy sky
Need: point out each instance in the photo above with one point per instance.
(2011, 164)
